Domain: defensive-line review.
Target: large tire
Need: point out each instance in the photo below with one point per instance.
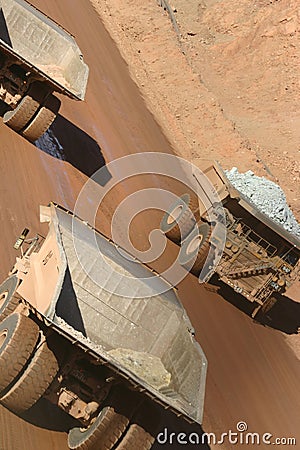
(34, 382)
(43, 119)
(181, 218)
(18, 118)
(196, 247)
(8, 301)
(136, 437)
(18, 339)
(108, 426)
(143, 429)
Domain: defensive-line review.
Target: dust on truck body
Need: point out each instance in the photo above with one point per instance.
(110, 342)
(37, 57)
(258, 258)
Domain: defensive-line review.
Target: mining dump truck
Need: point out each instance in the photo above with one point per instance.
(222, 233)
(37, 57)
(97, 333)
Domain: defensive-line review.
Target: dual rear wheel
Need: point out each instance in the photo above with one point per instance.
(27, 365)
(127, 422)
(35, 112)
(182, 224)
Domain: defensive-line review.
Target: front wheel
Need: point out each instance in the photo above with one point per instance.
(33, 383)
(18, 339)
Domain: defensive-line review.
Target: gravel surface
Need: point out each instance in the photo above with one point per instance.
(267, 196)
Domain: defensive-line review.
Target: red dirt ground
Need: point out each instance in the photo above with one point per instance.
(253, 373)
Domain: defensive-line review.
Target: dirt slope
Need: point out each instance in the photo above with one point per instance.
(227, 85)
(253, 375)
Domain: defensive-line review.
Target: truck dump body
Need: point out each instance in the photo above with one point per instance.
(43, 46)
(118, 308)
(248, 251)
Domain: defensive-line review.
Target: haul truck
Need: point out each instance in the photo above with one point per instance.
(97, 333)
(221, 232)
(37, 57)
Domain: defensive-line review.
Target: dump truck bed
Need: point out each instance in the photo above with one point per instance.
(259, 257)
(43, 46)
(119, 309)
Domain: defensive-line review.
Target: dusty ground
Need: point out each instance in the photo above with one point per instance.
(234, 93)
(253, 375)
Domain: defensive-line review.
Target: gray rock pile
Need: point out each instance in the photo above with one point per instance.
(267, 196)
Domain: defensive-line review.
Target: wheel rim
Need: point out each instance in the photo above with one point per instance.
(3, 336)
(3, 297)
(83, 430)
(175, 214)
(194, 244)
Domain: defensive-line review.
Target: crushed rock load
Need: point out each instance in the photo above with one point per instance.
(146, 366)
(267, 196)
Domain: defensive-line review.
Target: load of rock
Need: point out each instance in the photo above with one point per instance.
(267, 196)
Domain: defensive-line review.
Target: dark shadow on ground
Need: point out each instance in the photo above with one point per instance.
(284, 316)
(44, 414)
(173, 433)
(67, 142)
(231, 296)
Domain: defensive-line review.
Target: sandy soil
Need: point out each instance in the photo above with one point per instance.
(253, 374)
(226, 86)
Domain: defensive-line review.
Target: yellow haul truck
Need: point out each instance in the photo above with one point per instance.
(97, 333)
(37, 57)
(220, 232)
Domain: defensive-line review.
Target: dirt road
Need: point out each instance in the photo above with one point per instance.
(253, 375)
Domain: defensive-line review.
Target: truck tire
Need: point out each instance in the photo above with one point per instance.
(196, 245)
(18, 339)
(43, 119)
(8, 302)
(143, 429)
(34, 382)
(136, 437)
(19, 117)
(108, 427)
(182, 216)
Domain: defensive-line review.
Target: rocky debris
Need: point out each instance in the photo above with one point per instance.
(78, 335)
(267, 196)
(147, 367)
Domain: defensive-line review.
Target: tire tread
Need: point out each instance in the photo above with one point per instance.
(36, 379)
